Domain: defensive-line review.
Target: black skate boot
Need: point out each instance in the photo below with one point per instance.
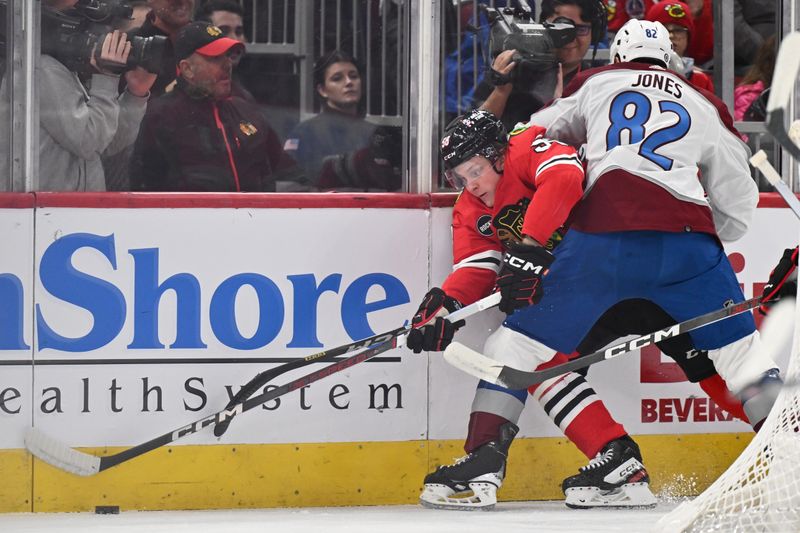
(480, 472)
(615, 478)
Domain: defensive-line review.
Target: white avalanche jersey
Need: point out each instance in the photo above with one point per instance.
(661, 154)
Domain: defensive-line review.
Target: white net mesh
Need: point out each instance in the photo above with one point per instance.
(761, 489)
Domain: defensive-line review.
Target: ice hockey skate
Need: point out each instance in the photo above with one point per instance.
(471, 482)
(616, 477)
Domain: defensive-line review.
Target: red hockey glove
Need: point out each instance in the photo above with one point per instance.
(782, 281)
(520, 278)
(432, 333)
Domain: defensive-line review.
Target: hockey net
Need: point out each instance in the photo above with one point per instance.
(761, 489)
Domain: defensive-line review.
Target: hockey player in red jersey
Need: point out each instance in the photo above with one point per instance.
(527, 187)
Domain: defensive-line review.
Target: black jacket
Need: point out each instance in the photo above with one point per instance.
(189, 143)
(166, 73)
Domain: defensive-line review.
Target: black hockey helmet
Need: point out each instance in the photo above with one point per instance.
(478, 132)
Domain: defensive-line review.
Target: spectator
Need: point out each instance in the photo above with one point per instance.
(620, 11)
(228, 16)
(701, 47)
(79, 121)
(165, 18)
(338, 148)
(753, 21)
(678, 20)
(140, 11)
(200, 138)
(751, 95)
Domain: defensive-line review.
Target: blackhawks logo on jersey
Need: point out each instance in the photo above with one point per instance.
(508, 223)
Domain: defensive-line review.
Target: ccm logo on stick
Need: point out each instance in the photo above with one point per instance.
(641, 342)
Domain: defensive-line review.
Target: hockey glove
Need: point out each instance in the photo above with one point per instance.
(782, 281)
(432, 333)
(520, 278)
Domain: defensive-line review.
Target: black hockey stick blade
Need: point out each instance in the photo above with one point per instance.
(485, 368)
(787, 65)
(61, 456)
(262, 378)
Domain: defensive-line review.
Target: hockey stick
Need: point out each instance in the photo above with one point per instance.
(787, 65)
(262, 378)
(759, 160)
(71, 460)
(482, 367)
(265, 377)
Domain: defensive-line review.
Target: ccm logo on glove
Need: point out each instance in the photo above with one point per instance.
(523, 266)
(520, 278)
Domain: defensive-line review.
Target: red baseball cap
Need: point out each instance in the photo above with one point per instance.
(202, 38)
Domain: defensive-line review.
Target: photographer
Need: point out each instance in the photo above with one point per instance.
(82, 115)
(521, 89)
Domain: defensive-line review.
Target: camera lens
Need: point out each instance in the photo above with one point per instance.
(147, 52)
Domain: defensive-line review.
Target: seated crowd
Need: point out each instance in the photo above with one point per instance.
(193, 124)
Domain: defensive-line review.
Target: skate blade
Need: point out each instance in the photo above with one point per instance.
(483, 497)
(628, 496)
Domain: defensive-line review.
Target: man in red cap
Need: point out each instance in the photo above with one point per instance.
(200, 138)
(205, 57)
(677, 18)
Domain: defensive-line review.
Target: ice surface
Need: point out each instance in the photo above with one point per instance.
(541, 517)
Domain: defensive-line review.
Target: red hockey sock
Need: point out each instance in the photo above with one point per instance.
(593, 428)
(575, 407)
(718, 391)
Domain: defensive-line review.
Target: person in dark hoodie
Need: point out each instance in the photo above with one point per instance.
(199, 137)
(338, 148)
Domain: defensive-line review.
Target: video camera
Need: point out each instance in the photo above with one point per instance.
(536, 44)
(72, 36)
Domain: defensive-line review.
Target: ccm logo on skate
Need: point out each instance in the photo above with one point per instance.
(643, 341)
(525, 266)
(102, 305)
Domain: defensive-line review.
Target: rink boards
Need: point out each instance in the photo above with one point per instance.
(125, 316)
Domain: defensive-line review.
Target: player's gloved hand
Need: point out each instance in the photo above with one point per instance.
(520, 278)
(782, 281)
(432, 332)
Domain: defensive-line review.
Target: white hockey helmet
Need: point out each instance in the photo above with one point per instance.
(676, 63)
(642, 39)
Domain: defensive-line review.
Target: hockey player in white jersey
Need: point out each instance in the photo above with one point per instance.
(667, 180)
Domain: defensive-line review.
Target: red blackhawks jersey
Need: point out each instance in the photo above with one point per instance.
(542, 180)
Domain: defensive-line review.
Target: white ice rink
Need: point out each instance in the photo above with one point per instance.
(542, 517)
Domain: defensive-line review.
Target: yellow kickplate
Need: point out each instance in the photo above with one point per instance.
(334, 474)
